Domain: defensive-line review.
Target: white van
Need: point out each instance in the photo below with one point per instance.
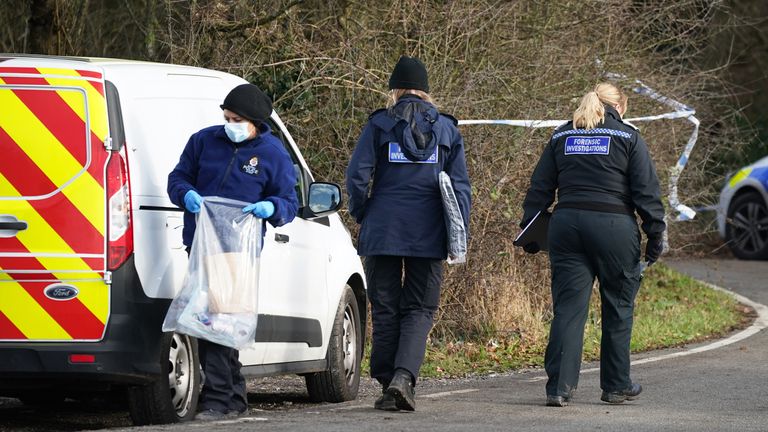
(91, 250)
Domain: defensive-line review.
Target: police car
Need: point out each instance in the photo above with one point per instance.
(742, 211)
(91, 249)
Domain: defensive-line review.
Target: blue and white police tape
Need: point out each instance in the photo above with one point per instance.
(684, 212)
(682, 110)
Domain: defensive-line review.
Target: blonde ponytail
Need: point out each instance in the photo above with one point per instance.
(591, 110)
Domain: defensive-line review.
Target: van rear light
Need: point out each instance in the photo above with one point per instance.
(119, 229)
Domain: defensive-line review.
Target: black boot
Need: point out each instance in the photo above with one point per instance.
(385, 402)
(401, 389)
(618, 397)
(557, 401)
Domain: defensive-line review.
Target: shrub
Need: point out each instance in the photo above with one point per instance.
(326, 64)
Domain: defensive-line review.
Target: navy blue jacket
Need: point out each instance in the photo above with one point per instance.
(254, 170)
(403, 213)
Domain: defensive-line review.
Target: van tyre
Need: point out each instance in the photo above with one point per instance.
(172, 396)
(341, 380)
(746, 229)
(42, 398)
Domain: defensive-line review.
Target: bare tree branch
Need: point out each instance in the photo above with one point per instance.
(229, 27)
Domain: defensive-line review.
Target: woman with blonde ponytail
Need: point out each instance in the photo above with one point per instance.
(599, 169)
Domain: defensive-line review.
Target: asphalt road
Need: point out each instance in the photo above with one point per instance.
(721, 389)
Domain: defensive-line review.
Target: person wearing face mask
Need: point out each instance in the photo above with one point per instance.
(240, 160)
(601, 170)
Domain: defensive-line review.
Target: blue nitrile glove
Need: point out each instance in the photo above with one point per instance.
(261, 209)
(192, 201)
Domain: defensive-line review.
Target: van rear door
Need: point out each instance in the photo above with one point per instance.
(53, 127)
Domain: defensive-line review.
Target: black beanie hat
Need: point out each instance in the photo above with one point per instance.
(249, 102)
(409, 73)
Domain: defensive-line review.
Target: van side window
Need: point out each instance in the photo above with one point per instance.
(116, 129)
(301, 177)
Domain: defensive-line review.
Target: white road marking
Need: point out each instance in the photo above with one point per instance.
(426, 396)
(345, 408)
(240, 420)
(448, 393)
(760, 323)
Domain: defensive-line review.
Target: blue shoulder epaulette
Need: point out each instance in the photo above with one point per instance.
(451, 118)
(370, 116)
(380, 119)
(565, 126)
(630, 125)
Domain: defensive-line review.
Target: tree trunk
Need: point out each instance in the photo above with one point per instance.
(41, 34)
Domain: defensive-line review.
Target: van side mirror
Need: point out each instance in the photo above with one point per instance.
(324, 199)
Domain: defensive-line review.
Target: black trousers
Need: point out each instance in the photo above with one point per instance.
(584, 245)
(224, 387)
(404, 294)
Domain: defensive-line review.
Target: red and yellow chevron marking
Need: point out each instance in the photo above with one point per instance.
(38, 317)
(66, 220)
(55, 159)
(58, 117)
(8, 329)
(46, 117)
(97, 112)
(40, 237)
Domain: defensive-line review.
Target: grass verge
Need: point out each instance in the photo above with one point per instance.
(671, 310)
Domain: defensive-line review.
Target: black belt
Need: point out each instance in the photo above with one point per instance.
(598, 206)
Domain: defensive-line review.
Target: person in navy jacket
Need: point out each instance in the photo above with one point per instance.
(403, 233)
(240, 160)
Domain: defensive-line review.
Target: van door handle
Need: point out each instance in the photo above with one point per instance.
(282, 238)
(10, 222)
(10, 226)
(14, 226)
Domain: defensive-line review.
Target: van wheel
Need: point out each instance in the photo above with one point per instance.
(172, 397)
(341, 380)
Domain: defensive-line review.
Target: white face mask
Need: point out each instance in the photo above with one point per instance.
(237, 132)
